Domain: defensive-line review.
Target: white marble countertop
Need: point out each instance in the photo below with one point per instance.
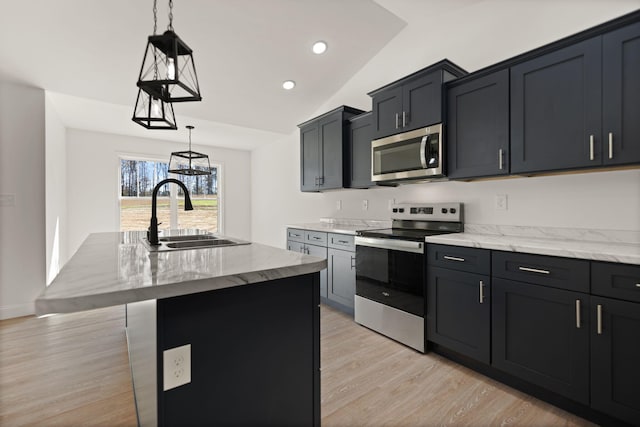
(116, 268)
(342, 226)
(599, 245)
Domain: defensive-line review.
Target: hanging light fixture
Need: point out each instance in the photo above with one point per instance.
(151, 111)
(189, 162)
(168, 71)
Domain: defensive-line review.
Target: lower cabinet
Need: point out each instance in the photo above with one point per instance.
(459, 312)
(342, 277)
(338, 280)
(541, 335)
(615, 358)
(565, 325)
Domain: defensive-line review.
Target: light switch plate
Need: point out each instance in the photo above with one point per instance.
(338, 204)
(176, 364)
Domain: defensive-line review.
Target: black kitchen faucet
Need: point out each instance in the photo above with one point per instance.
(152, 232)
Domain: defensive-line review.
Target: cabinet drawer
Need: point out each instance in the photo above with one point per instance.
(342, 241)
(295, 234)
(315, 238)
(459, 258)
(620, 281)
(556, 272)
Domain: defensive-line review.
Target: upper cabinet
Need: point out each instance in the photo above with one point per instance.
(324, 158)
(556, 107)
(477, 131)
(412, 102)
(621, 95)
(360, 136)
(578, 106)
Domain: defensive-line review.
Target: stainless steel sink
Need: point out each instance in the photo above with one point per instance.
(188, 238)
(204, 244)
(192, 241)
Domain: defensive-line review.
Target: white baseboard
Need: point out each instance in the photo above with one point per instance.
(16, 310)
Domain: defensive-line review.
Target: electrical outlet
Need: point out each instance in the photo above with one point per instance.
(176, 366)
(339, 205)
(365, 204)
(501, 202)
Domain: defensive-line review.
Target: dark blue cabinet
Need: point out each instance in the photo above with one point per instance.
(477, 131)
(621, 95)
(412, 102)
(360, 136)
(556, 109)
(324, 156)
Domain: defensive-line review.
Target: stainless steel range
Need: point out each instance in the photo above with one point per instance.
(390, 269)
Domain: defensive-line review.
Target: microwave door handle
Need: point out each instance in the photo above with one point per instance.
(423, 151)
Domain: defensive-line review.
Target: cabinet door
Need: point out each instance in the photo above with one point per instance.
(331, 135)
(360, 136)
(295, 246)
(556, 107)
(478, 127)
(309, 157)
(459, 312)
(342, 276)
(615, 358)
(621, 95)
(421, 102)
(320, 252)
(541, 335)
(387, 109)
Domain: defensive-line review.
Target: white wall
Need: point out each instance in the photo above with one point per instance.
(473, 38)
(22, 175)
(56, 190)
(93, 173)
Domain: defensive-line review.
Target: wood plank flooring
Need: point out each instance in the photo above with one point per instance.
(73, 370)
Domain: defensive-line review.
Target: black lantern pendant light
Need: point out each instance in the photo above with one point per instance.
(189, 162)
(153, 113)
(168, 71)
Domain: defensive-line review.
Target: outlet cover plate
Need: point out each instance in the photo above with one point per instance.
(501, 202)
(176, 367)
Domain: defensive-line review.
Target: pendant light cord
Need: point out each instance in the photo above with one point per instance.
(170, 26)
(190, 152)
(155, 17)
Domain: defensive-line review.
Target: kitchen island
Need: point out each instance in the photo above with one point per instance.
(248, 314)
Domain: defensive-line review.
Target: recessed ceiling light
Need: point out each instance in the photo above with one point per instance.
(319, 47)
(288, 84)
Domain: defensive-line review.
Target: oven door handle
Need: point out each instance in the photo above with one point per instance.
(391, 244)
(423, 151)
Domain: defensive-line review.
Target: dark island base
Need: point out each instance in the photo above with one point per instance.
(255, 355)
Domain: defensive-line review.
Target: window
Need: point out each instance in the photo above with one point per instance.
(139, 177)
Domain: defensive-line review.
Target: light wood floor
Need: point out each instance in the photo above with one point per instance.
(73, 370)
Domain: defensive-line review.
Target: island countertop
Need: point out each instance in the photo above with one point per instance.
(116, 268)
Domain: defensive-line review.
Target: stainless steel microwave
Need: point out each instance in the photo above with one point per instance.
(417, 154)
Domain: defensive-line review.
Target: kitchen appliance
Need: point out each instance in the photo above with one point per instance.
(417, 154)
(390, 270)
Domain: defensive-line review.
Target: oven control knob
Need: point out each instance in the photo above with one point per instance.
(444, 210)
(395, 210)
(401, 210)
(452, 210)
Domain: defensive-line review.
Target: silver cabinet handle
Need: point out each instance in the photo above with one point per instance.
(453, 258)
(397, 117)
(599, 319)
(533, 270)
(343, 241)
(386, 294)
(500, 165)
(404, 119)
(481, 292)
(578, 322)
(637, 285)
(591, 147)
(317, 238)
(611, 145)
